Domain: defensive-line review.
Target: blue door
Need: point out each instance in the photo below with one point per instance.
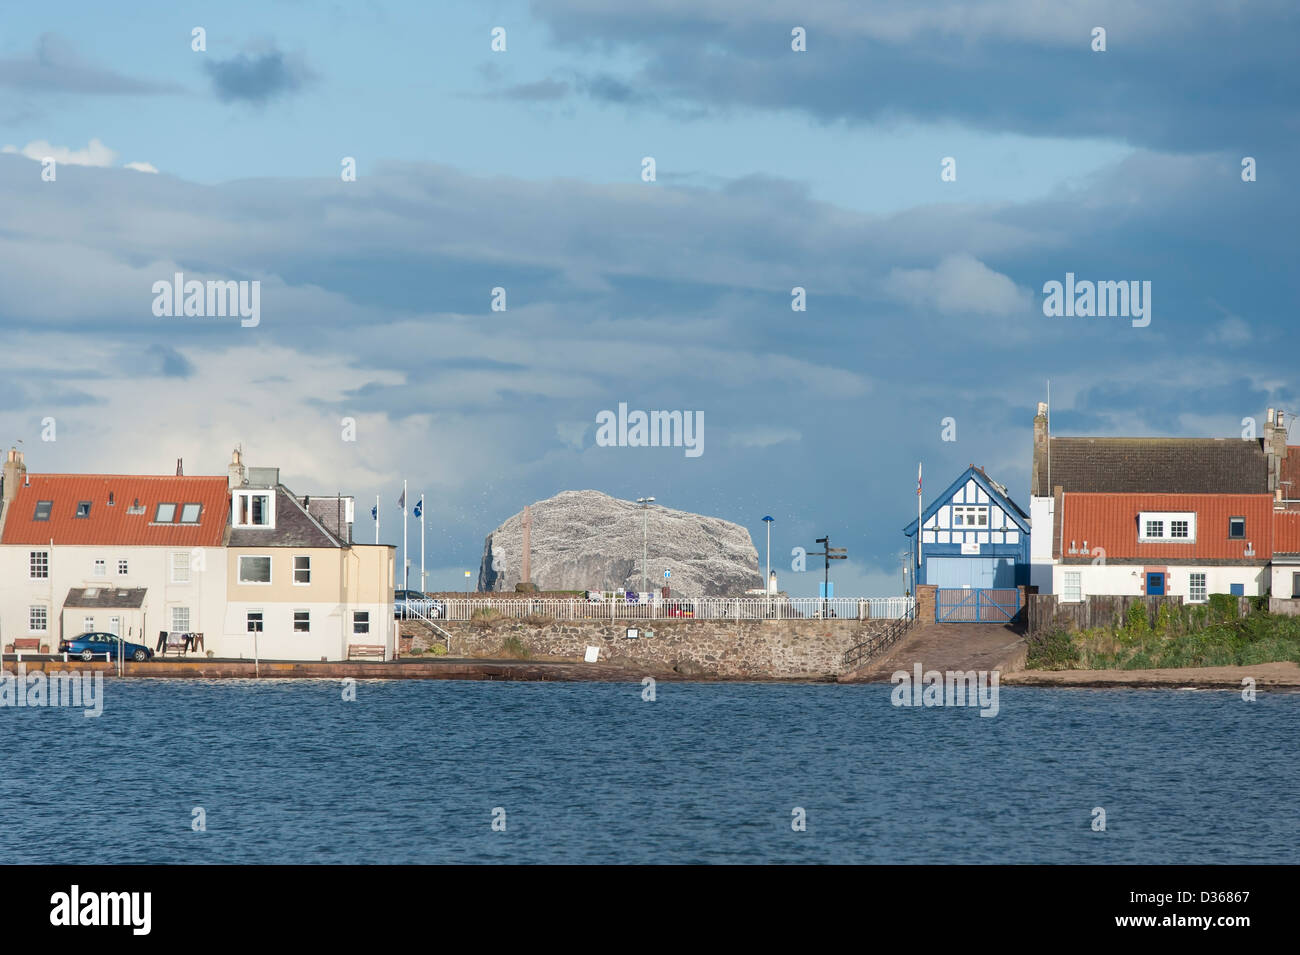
(1155, 585)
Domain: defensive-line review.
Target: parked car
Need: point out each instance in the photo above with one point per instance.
(406, 602)
(90, 645)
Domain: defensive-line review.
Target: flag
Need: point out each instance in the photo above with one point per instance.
(419, 506)
(374, 513)
(918, 479)
(401, 501)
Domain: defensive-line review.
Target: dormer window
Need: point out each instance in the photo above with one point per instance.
(83, 508)
(252, 509)
(1159, 527)
(1237, 528)
(43, 509)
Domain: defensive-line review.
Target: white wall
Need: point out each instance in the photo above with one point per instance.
(331, 631)
(1281, 578)
(148, 567)
(1124, 580)
(1041, 511)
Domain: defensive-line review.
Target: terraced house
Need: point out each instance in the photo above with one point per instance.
(1164, 516)
(119, 553)
(240, 559)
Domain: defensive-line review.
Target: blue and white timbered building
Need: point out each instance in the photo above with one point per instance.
(973, 536)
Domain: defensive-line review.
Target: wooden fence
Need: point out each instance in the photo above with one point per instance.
(1048, 611)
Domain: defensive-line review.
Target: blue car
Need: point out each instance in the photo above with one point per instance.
(91, 645)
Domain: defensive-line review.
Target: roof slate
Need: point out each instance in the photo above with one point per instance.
(113, 524)
(293, 527)
(131, 598)
(1155, 465)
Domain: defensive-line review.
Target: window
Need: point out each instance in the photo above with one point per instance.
(101, 567)
(1237, 527)
(302, 569)
(180, 619)
(254, 621)
(83, 508)
(252, 509)
(302, 621)
(87, 624)
(165, 514)
(361, 621)
(190, 513)
(965, 515)
(254, 570)
(180, 567)
(43, 509)
(1073, 591)
(1167, 527)
(38, 564)
(123, 568)
(1196, 589)
(37, 619)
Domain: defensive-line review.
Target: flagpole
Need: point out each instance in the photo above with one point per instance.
(918, 523)
(406, 554)
(376, 518)
(421, 542)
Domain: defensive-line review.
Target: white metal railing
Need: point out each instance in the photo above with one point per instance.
(683, 608)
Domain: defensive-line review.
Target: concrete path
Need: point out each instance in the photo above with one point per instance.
(946, 646)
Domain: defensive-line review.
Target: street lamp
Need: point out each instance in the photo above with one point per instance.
(645, 503)
(767, 579)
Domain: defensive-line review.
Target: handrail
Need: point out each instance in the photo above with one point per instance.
(879, 642)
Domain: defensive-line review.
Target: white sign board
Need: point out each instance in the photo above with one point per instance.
(970, 548)
(593, 654)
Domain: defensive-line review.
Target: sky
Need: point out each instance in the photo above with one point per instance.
(829, 169)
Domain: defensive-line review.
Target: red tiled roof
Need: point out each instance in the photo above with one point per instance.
(1109, 521)
(112, 524)
(1286, 532)
(1291, 473)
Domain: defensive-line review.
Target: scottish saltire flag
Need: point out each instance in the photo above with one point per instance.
(419, 506)
(374, 513)
(918, 479)
(401, 501)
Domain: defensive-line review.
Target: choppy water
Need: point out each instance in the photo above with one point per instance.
(287, 772)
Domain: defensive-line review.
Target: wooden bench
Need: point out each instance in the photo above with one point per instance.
(23, 644)
(365, 650)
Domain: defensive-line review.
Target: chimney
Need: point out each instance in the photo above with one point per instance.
(1275, 448)
(235, 472)
(1038, 477)
(15, 475)
(180, 468)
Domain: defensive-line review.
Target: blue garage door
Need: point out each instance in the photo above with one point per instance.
(974, 572)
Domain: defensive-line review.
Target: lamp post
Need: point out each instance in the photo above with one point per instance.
(645, 503)
(767, 579)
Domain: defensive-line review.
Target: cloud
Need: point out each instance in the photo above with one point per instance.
(95, 153)
(55, 67)
(141, 166)
(536, 92)
(258, 77)
(959, 284)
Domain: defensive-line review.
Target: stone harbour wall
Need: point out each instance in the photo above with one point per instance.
(756, 649)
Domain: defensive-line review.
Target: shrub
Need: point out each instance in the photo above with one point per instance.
(1052, 650)
(514, 648)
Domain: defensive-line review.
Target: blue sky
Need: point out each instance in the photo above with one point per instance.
(521, 169)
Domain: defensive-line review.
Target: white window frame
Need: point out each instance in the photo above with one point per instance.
(966, 511)
(123, 567)
(100, 567)
(180, 574)
(241, 509)
(297, 570)
(178, 612)
(33, 612)
(1191, 588)
(87, 624)
(361, 618)
(1074, 586)
(1165, 519)
(260, 621)
(307, 614)
(38, 560)
(270, 570)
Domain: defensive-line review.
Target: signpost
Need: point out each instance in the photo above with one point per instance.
(830, 553)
